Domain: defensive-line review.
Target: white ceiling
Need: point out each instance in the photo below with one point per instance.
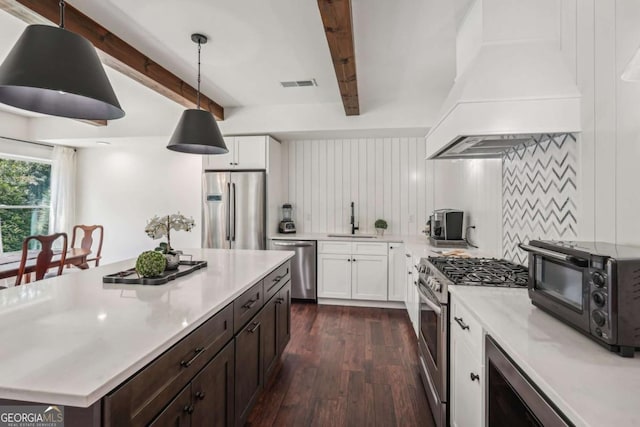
(405, 50)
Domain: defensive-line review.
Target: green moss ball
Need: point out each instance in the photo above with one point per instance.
(150, 264)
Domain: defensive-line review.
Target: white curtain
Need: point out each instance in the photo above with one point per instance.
(63, 190)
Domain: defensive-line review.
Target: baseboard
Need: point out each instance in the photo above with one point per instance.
(361, 303)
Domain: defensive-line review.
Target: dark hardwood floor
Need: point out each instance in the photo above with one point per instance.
(346, 366)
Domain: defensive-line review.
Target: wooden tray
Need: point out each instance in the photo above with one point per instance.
(130, 277)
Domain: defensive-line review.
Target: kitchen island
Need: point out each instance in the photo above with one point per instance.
(75, 341)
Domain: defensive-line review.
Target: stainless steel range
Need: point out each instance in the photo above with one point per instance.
(435, 276)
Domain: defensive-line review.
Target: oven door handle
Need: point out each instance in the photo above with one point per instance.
(580, 262)
(431, 304)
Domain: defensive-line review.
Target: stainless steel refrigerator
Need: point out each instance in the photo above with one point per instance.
(234, 210)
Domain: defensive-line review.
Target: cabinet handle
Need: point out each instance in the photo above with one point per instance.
(256, 325)
(354, 260)
(251, 303)
(349, 259)
(461, 323)
(200, 395)
(475, 377)
(407, 255)
(186, 363)
(279, 300)
(409, 272)
(231, 164)
(277, 279)
(188, 409)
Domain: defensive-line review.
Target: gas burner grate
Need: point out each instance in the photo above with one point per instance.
(482, 272)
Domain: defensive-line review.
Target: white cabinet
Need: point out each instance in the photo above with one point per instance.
(334, 276)
(352, 270)
(467, 368)
(397, 272)
(369, 277)
(245, 152)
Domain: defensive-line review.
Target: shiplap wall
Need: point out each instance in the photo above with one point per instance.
(385, 177)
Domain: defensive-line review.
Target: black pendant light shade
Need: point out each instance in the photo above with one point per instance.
(54, 71)
(197, 133)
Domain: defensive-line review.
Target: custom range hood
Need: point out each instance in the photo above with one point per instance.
(513, 83)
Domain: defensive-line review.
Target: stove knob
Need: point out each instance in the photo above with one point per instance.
(599, 298)
(598, 317)
(598, 279)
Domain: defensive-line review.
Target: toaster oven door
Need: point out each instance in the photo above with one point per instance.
(561, 287)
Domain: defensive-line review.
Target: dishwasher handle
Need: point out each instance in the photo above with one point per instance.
(293, 244)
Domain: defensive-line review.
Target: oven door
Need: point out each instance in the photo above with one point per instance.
(433, 353)
(512, 400)
(559, 284)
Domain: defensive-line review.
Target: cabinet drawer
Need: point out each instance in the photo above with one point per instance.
(369, 248)
(143, 396)
(247, 305)
(274, 280)
(466, 327)
(329, 247)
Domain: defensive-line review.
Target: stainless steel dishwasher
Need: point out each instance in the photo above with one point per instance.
(303, 267)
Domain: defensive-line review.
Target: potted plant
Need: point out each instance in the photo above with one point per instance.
(158, 227)
(381, 225)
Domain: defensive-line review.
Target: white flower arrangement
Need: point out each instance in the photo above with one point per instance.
(160, 226)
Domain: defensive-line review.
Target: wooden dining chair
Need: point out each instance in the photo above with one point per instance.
(87, 240)
(44, 260)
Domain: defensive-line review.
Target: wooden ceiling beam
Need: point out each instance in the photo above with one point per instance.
(114, 52)
(338, 28)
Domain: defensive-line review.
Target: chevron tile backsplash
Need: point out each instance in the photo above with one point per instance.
(539, 193)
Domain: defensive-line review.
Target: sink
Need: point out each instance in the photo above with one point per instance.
(354, 236)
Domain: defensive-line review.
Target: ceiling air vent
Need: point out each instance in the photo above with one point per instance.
(299, 83)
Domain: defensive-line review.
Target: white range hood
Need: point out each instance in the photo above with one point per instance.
(510, 92)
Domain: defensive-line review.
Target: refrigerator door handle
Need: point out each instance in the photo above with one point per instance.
(233, 236)
(228, 235)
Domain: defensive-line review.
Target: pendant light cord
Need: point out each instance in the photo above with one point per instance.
(61, 13)
(199, 48)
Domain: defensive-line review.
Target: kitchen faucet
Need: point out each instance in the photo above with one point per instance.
(353, 220)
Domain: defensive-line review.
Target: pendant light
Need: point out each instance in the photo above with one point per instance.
(54, 71)
(197, 131)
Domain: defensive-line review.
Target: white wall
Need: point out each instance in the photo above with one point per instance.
(388, 178)
(122, 186)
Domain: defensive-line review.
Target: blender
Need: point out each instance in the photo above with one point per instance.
(287, 225)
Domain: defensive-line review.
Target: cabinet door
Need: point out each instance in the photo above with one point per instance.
(251, 152)
(334, 276)
(466, 391)
(397, 272)
(177, 413)
(212, 391)
(222, 161)
(369, 277)
(284, 318)
(249, 369)
(269, 319)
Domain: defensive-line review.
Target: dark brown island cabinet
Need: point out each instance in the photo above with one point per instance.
(214, 375)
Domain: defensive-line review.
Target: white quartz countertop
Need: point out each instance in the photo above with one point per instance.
(589, 384)
(72, 339)
(418, 245)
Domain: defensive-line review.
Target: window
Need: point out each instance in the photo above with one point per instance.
(24, 200)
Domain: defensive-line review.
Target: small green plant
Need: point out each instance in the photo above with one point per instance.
(150, 264)
(381, 223)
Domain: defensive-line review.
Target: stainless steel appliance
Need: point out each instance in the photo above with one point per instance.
(435, 276)
(512, 399)
(233, 210)
(446, 224)
(303, 267)
(287, 225)
(593, 287)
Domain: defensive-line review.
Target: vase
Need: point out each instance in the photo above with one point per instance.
(380, 231)
(173, 260)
